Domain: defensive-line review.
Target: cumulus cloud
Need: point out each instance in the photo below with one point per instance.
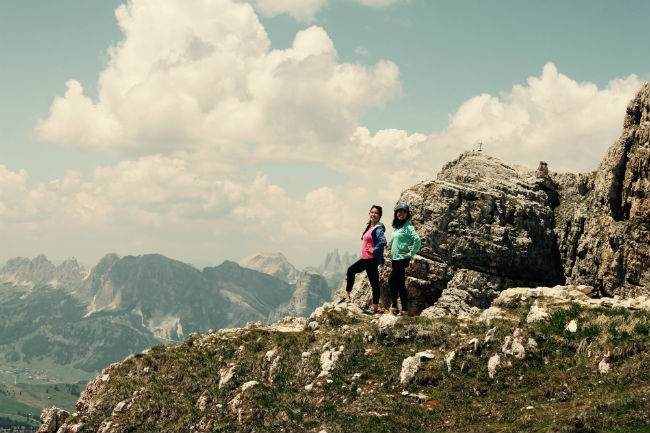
(197, 76)
(553, 118)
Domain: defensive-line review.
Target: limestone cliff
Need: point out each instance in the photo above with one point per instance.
(487, 225)
(603, 221)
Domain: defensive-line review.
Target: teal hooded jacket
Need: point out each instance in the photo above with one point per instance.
(401, 239)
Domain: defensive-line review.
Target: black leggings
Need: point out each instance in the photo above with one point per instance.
(397, 282)
(371, 268)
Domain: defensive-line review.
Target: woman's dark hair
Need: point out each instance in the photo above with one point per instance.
(374, 206)
(396, 221)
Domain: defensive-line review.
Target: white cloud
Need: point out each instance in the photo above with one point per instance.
(554, 118)
(203, 77)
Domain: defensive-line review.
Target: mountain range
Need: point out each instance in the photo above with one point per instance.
(65, 323)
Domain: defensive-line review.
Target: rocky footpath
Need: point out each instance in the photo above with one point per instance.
(540, 359)
(487, 225)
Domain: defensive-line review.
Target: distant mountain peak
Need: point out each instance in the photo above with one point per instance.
(24, 272)
(275, 264)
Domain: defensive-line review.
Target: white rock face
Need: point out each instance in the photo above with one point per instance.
(120, 407)
(328, 360)
(603, 367)
(75, 428)
(537, 314)
(288, 324)
(411, 365)
(493, 363)
(225, 374)
(572, 326)
(386, 321)
(449, 359)
(571, 293)
(514, 345)
(474, 345)
(270, 355)
(492, 313)
(343, 306)
(52, 418)
(489, 335)
(202, 402)
(248, 385)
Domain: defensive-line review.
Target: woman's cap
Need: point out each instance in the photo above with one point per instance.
(402, 206)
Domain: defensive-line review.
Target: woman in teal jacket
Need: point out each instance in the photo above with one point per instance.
(372, 255)
(400, 240)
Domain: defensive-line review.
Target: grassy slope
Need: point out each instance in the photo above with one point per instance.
(557, 387)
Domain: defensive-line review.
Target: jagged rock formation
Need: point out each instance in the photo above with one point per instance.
(603, 220)
(335, 266)
(275, 264)
(23, 272)
(342, 370)
(487, 225)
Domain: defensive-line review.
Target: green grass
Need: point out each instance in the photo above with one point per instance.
(556, 387)
(21, 404)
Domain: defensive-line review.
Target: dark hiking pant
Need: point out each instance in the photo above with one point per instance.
(372, 270)
(397, 283)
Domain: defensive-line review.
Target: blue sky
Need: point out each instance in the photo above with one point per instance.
(205, 140)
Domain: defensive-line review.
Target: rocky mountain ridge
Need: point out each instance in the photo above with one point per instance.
(64, 323)
(487, 225)
(26, 273)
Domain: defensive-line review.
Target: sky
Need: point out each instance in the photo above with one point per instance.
(214, 129)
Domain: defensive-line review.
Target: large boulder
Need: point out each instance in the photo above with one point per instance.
(485, 226)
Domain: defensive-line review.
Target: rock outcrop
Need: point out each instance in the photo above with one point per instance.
(603, 220)
(487, 226)
(51, 419)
